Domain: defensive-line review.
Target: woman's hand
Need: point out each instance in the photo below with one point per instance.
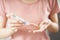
(12, 22)
(6, 32)
(44, 25)
(31, 27)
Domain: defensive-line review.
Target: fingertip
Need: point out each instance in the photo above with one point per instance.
(14, 29)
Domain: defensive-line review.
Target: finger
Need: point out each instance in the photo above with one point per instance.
(37, 31)
(11, 30)
(15, 25)
(44, 23)
(9, 15)
(36, 27)
(13, 21)
(43, 26)
(14, 29)
(30, 31)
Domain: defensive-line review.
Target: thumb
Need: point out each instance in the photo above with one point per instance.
(12, 30)
(9, 15)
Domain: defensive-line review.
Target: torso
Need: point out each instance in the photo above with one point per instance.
(33, 13)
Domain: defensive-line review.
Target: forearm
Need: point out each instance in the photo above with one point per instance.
(53, 27)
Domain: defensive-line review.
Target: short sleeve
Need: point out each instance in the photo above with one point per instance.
(53, 4)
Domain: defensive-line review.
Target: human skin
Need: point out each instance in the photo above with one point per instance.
(35, 18)
(29, 1)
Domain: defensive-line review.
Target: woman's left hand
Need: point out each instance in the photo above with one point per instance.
(44, 25)
(31, 27)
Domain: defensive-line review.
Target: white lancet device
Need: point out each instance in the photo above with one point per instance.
(20, 19)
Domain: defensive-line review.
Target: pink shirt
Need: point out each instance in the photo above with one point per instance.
(33, 13)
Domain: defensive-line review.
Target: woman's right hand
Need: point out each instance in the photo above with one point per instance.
(5, 32)
(13, 23)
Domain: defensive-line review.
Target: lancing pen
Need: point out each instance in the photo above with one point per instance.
(20, 19)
